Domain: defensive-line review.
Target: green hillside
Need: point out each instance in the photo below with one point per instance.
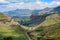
(54, 31)
(1, 15)
(51, 19)
(14, 32)
(50, 28)
(10, 30)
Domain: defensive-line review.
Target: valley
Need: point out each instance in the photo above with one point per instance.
(44, 25)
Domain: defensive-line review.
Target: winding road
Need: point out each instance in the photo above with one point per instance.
(29, 28)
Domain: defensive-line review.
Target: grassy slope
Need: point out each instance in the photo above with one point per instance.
(11, 30)
(15, 32)
(52, 19)
(1, 15)
(52, 25)
(54, 31)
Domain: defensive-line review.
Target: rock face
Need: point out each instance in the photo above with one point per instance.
(37, 19)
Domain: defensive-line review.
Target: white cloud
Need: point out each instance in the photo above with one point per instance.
(38, 2)
(4, 1)
(34, 5)
(28, 6)
(54, 4)
(56, 0)
(25, 1)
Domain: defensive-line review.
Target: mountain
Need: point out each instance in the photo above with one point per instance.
(41, 16)
(45, 10)
(36, 11)
(49, 28)
(51, 19)
(56, 9)
(10, 29)
(49, 10)
(20, 12)
(28, 12)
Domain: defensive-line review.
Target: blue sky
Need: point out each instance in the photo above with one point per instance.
(27, 1)
(48, 1)
(7, 5)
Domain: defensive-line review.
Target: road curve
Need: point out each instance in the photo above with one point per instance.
(29, 28)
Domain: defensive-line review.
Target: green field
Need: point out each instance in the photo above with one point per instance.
(12, 31)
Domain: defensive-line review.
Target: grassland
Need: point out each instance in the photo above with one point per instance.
(51, 19)
(11, 30)
(51, 27)
(1, 15)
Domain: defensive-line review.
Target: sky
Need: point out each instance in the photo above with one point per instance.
(8, 5)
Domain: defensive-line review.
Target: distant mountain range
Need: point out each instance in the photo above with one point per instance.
(39, 17)
(56, 9)
(28, 12)
(49, 10)
(25, 14)
(20, 12)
